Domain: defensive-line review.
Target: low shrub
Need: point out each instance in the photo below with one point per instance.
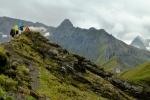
(7, 83)
(3, 60)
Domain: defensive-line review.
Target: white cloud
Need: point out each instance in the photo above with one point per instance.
(38, 29)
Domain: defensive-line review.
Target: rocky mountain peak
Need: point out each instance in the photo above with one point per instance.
(92, 29)
(138, 42)
(66, 23)
(139, 38)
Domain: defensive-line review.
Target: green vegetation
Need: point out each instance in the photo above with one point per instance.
(3, 88)
(29, 98)
(52, 86)
(139, 75)
(101, 59)
(22, 70)
(7, 83)
(2, 92)
(3, 59)
(39, 69)
(111, 64)
(24, 47)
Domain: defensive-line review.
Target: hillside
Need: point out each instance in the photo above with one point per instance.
(32, 68)
(139, 75)
(98, 46)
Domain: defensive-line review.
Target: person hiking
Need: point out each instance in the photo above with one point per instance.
(21, 26)
(14, 31)
(16, 28)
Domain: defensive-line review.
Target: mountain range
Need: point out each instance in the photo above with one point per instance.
(141, 43)
(96, 45)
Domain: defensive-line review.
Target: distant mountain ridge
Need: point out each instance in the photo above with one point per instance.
(141, 43)
(96, 45)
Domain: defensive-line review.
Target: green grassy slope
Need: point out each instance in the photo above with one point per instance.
(31, 68)
(113, 65)
(138, 75)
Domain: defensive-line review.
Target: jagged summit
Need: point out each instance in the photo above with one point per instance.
(66, 23)
(139, 38)
(99, 46)
(139, 42)
(92, 28)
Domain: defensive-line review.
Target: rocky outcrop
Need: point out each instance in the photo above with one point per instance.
(132, 89)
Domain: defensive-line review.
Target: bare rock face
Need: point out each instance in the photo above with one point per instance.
(98, 46)
(141, 43)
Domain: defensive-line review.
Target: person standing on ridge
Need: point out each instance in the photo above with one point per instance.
(21, 27)
(14, 31)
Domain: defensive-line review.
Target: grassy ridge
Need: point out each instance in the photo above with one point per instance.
(35, 69)
(138, 75)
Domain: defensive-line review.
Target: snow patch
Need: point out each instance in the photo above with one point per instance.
(47, 34)
(4, 36)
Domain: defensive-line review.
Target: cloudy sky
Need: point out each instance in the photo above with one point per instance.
(125, 19)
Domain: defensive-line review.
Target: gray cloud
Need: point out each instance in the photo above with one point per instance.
(125, 19)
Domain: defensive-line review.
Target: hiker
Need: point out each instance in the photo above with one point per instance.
(21, 26)
(16, 28)
(14, 31)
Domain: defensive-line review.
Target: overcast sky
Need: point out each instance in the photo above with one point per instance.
(125, 19)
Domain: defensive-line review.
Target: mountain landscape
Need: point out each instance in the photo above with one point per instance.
(96, 45)
(59, 50)
(141, 43)
(32, 68)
